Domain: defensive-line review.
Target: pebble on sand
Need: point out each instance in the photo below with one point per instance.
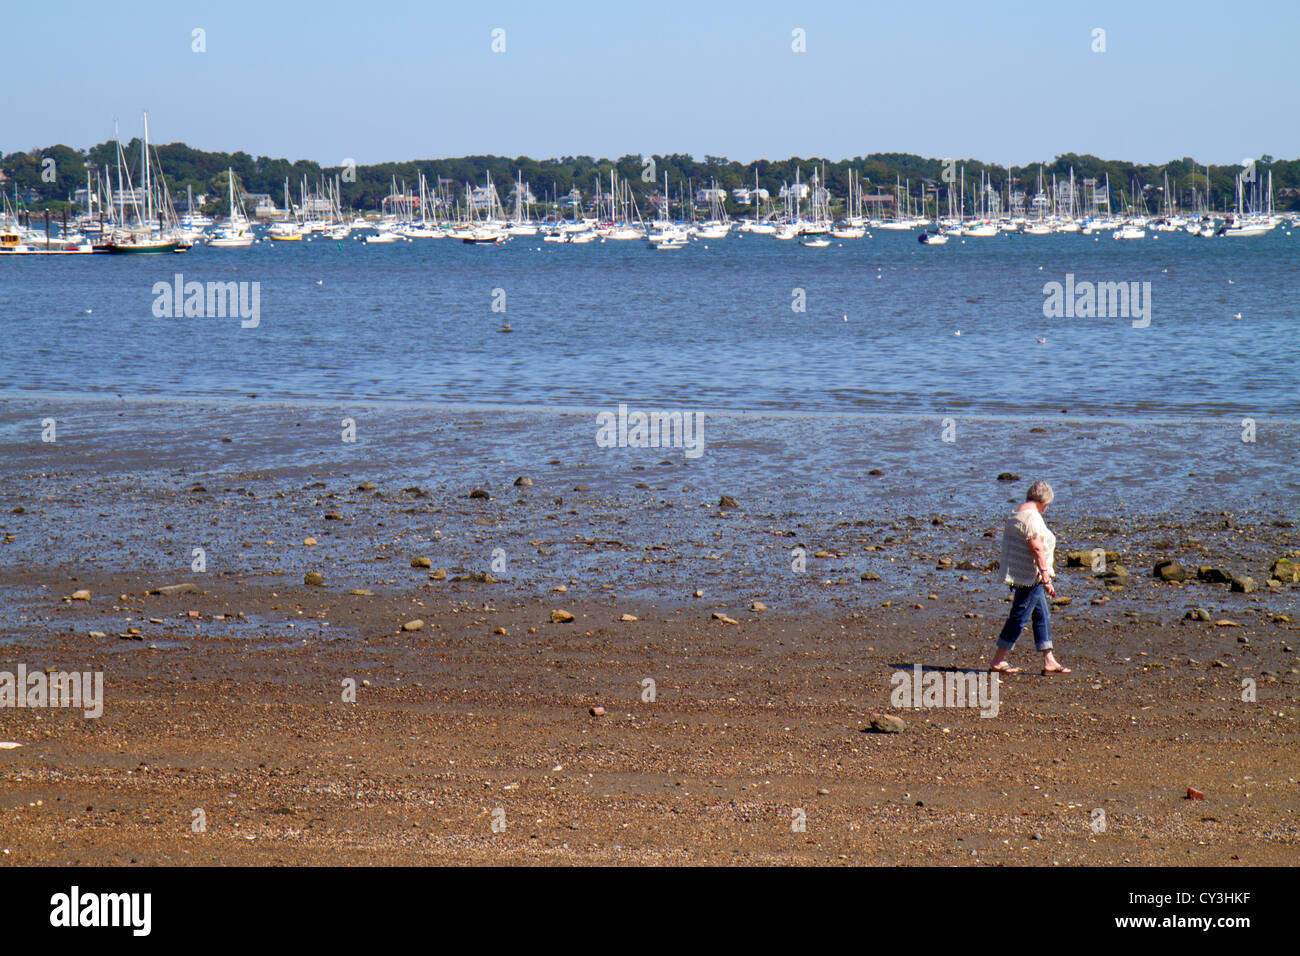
(176, 588)
(628, 618)
(313, 578)
(561, 617)
(719, 616)
(1008, 476)
(480, 494)
(523, 481)
(415, 625)
(421, 563)
(1167, 569)
(82, 595)
(309, 542)
(885, 724)
(758, 606)
(439, 575)
(726, 501)
(1194, 794)
(597, 711)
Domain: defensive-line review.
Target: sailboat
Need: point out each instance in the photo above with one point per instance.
(143, 238)
(287, 230)
(236, 233)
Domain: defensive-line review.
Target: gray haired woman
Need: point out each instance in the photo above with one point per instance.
(1028, 552)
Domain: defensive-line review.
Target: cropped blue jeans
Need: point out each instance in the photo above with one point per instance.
(1027, 603)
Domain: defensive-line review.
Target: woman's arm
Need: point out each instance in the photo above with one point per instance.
(1039, 550)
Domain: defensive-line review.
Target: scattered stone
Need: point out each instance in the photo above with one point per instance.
(1212, 575)
(1116, 576)
(1286, 571)
(1061, 601)
(560, 589)
(944, 564)
(875, 471)
(719, 616)
(333, 516)
(869, 576)
(1194, 794)
(758, 606)
(1087, 557)
(1243, 584)
(597, 711)
(1198, 614)
(499, 631)
(309, 542)
(581, 488)
(628, 618)
(1008, 476)
(439, 575)
(98, 635)
(9, 745)
(1226, 623)
(561, 617)
(313, 578)
(523, 482)
(885, 724)
(367, 486)
(362, 592)
(728, 502)
(415, 625)
(82, 595)
(421, 563)
(176, 588)
(1281, 619)
(699, 594)
(480, 494)
(1168, 569)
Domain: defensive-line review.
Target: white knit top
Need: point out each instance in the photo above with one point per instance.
(1017, 557)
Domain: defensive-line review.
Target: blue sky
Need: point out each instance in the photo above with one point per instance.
(1013, 83)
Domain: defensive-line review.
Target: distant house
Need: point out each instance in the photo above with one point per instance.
(794, 191)
(263, 206)
(525, 195)
(709, 195)
(741, 195)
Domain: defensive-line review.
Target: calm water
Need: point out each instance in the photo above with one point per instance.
(700, 328)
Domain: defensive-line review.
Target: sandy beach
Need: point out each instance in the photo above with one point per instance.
(737, 706)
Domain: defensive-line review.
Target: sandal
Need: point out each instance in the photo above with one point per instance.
(1057, 670)
(1004, 668)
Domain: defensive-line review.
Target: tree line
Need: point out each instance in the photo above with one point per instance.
(49, 177)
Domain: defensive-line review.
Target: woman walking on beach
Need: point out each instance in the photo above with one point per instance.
(1028, 551)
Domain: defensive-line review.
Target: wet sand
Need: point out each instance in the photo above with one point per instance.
(229, 698)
